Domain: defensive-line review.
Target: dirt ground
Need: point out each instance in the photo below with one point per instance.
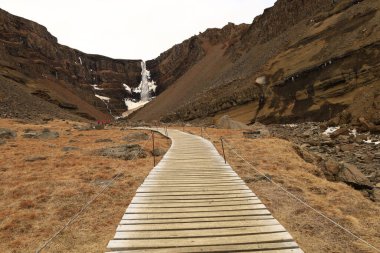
(38, 198)
(277, 159)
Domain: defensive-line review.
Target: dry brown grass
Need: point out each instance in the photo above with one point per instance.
(278, 160)
(38, 198)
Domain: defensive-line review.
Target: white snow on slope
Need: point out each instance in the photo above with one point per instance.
(106, 99)
(96, 87)
(330, 130)
(371, 141)
(134, 104)
(127, 88)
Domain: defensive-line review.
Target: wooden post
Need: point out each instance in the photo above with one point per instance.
(154, 157)
(201, 132)
(224, 155)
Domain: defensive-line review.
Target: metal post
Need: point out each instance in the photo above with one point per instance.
(224, 155)
(154, 157)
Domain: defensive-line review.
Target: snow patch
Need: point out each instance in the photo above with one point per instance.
(105, 99)
(80, 60)
(127, 88)
(330, 130)
(353, 132)
(368, 141)
(132, 104)
(96, 87)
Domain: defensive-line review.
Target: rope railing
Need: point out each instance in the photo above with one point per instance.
(279, 186)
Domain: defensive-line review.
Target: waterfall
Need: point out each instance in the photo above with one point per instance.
(144, 82)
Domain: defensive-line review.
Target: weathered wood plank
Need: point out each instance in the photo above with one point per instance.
(201, 241)
(196, 224)
(279, 247)
(196, 204)
(143, 216)
(165, 234)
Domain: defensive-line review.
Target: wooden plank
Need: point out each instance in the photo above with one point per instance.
(190, 201)
(195, 189)
(143, 216)
(197, 204)
(191, 193)
(126, 225)
(188, 233)
(195, 197)
(201, 241)
(196, 220)
(277, 247)
(283, 247)
(132, 209)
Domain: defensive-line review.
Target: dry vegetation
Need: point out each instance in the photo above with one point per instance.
(38, 198)
(278, 160)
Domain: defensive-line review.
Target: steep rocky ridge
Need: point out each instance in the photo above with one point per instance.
(318, 58)
(32, 57)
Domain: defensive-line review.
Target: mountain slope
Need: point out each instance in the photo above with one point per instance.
(299, 61)
(32, 57)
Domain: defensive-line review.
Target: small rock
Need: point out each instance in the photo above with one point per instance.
(65, 149)
(35, 158)
(83, 127)
(103, 140)
(347, 147)
(376, 194)
(332, 167)
(158, 152)
(44, 134)
(99, 127)
(126, 152)
(136, 136)
(6, 133)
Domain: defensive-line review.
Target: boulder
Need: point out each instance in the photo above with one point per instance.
(125, 152)
(136, 136)
(340, 131)
(350, 174)
(226, 122)
(369, 126)
(6, 133)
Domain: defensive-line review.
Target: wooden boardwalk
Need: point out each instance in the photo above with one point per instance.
(193, 202)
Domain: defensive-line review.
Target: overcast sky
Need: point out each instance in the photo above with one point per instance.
(126, 29)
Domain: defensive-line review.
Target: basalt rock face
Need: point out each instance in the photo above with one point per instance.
(301, 60)
(31, 56)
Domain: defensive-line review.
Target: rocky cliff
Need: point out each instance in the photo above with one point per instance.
(31, 56)
(300, 60)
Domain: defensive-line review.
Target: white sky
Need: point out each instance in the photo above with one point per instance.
(138, 29)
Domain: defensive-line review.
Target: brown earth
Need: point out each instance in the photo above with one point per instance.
(42, 186)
